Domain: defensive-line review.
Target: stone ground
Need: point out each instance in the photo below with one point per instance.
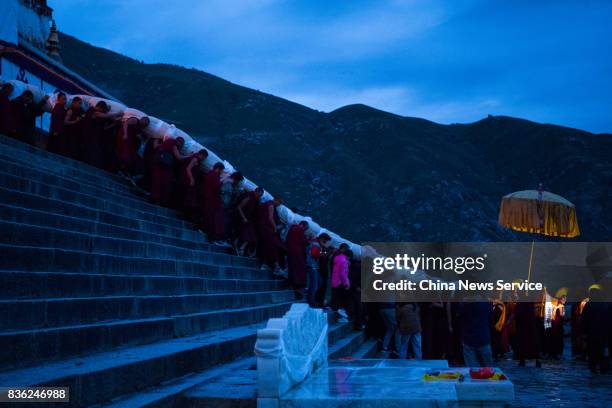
(563, 383)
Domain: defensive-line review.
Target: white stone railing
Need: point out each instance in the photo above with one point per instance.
(160, 129)
(288, 350)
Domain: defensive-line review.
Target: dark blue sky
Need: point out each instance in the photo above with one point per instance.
(447, 61)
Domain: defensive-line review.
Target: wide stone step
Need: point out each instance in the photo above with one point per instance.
(103, 376)
(35, 259)
(128, 199)
(144, 211)
(38, 162)
(42, 285)
(18, 149)
(20, 215)
(55, 206)
(21, 348)
(31, 313)
(348, 345)
(34, 236)
(237, 387)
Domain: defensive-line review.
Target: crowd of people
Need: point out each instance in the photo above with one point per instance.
(478, 334)
(471, 333)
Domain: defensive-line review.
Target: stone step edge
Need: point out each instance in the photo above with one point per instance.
(55, 372)
(76, 164)
(26, 247)
(92, 223)
(129, 322)
(121, 240)
(171, 392)
(138, 297)
(90, 190)
(51, 200)
(119, 275)
(85, 179)
(174, 216)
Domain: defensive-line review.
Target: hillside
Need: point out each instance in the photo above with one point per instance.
(366, 174)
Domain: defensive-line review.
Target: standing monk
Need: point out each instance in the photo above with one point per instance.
(127, 143)
(94, 134)
(166, 159)
(527, 333)
(6, 118)
(72, 128)
(150, 153)
(57, 143)
(25, 112)
(270, 247)
(296, 257)
(246, 212)
(214, 218)
(190, 183)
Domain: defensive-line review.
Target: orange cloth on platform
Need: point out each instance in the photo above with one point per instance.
(552, 215)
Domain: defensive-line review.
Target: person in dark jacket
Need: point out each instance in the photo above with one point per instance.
(357, 311)
(596, 324)
(314, 251)
(409, 326)
(476, 336)
(387, 313)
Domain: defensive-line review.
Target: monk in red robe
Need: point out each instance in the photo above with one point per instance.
(7, 126)
(246, 213)
(150, 152)
(25, 111)
(167, 158)
(127, 144)
(296, 257)
(95, 134)
(269, 245)
(56, 142)
(213, 211)
(72, 128)
(190, 180)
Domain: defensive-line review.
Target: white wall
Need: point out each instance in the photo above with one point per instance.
(32, 27)
(8, 20)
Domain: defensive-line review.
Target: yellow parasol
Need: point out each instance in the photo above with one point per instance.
(539, 212)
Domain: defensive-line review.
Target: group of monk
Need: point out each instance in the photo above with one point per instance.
(213, 200)
(478, 333)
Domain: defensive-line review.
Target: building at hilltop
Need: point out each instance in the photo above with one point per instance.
(30, 51)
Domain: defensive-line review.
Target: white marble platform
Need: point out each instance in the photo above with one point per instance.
(393, 383)
(289, 350)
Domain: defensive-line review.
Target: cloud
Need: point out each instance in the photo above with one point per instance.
(444, 60)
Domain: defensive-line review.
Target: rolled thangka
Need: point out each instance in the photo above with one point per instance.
(91, 101)
(160, 129)
(20, 87)
(157, 128)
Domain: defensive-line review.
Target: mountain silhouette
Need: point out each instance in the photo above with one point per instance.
(368, 174)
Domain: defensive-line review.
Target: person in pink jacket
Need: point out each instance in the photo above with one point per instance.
(340, 281)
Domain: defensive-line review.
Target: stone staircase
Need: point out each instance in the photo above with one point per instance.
(120, 299)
